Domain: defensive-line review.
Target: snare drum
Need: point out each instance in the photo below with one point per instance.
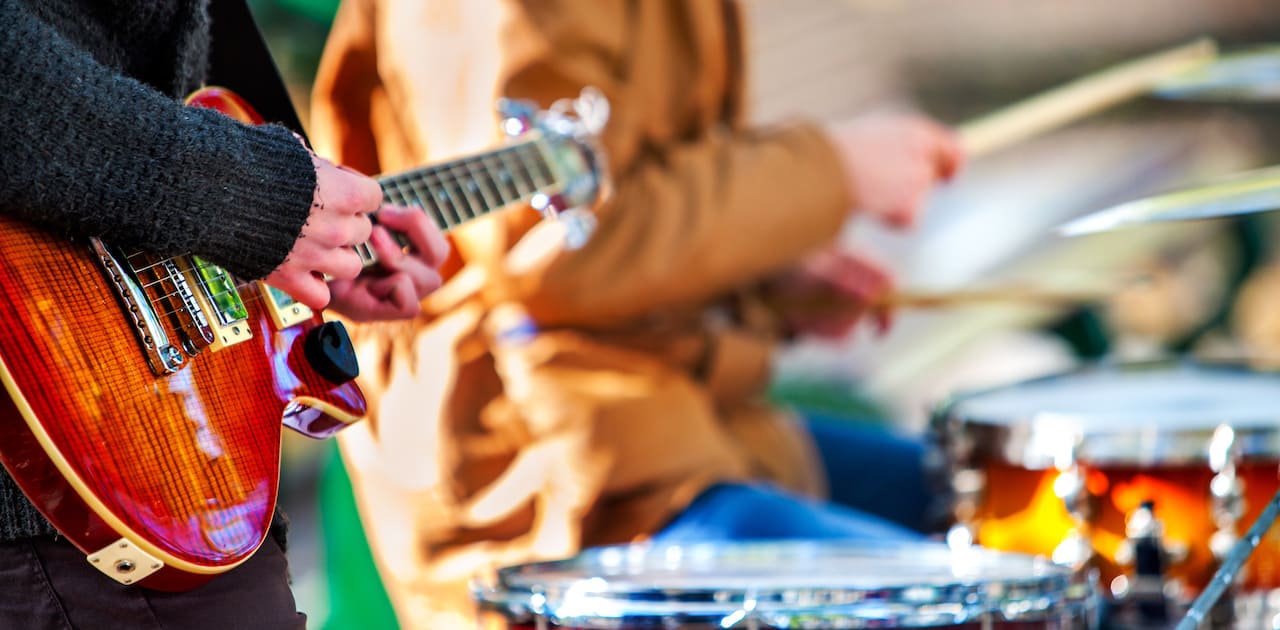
(792, 585)
(1082, 467)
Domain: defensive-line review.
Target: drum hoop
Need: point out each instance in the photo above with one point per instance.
(1058, 593)
(1020, 441)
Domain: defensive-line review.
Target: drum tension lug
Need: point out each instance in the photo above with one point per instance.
(1146, 551)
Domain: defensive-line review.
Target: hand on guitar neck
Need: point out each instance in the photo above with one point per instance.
(340, 219)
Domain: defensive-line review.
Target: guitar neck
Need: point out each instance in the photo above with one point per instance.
(455, 192)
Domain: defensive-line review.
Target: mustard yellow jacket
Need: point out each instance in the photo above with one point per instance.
(645, 384)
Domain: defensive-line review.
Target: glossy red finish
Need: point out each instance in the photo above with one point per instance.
(187, 461)
(225, 101)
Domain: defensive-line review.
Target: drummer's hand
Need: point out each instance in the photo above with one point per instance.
(891, 162)
(402, 279)
(830, 292)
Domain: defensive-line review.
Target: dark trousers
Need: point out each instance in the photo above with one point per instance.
(46, 583)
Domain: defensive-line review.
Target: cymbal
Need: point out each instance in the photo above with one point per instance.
(1251, 75)
(1241, 193)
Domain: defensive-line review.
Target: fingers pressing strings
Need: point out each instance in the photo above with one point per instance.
(436, 252)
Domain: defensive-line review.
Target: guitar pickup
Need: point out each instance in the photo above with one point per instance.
(216, 294)
(283, 309)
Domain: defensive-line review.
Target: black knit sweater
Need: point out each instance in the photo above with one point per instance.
(94, 141)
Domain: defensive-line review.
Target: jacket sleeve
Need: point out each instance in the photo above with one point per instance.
(689, 219)
(346, 86)
(86, 151)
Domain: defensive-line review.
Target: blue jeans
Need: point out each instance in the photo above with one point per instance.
(878, 485)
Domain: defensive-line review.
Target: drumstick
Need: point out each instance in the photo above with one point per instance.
(921, 299)
(1081, 97)
(933, 299)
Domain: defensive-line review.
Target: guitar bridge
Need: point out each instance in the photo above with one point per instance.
(164, 278)
(162, 356)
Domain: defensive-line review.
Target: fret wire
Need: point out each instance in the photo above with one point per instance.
(494, 182)
(399, 189)
(509, 180)
(548, 167)
(515, 173)
(539, 160)
(432, 197)
(444, 198)
(422, 193)
(530, 172)
(523, 162)
(395, 192)
(397, 185)
(528, 158)
(477, 176)
(460, 182)
(498, 181)
(389, 192)
(439, 195)
(457, 191)
(457, 196)
(405, 187)
(417, 200)
(390, 188)
(513, 176)
(522, 158)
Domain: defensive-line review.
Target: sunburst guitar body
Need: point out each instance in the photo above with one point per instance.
(146, 394)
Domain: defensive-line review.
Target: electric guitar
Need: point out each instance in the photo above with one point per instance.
(146, 394)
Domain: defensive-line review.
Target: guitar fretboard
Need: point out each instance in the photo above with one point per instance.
(454, 192)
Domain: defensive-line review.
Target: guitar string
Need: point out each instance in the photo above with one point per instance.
(364, 251)
(420, 195)
(439, 182)
(239, 286)
(399, 182)
(425, 176)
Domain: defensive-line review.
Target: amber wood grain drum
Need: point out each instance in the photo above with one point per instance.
(791, 585)
(1082, 467)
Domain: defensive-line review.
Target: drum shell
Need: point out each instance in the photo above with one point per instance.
(1019, 511)
(1006, 460)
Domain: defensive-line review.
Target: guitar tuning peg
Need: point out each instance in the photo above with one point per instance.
(592, 109)
(545, 205)
(518, 117)
(579, 225)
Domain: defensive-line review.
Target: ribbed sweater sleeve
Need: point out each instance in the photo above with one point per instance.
(86, 151)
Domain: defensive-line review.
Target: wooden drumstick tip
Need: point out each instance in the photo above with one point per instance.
(1082, 97)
